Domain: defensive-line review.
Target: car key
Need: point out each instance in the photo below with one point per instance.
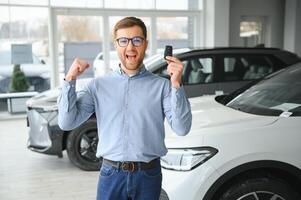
(167, 51)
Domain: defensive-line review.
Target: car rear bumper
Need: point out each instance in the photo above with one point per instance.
(44, 134)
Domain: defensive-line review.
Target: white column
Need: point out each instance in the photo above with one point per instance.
(152, 40)
(216, 23)
(53, 49)
(106, 43)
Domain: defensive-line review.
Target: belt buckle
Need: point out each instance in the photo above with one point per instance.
(128, 166)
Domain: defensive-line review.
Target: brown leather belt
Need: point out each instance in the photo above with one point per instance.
(131, 166)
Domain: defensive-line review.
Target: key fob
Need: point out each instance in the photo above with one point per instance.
(167, 51)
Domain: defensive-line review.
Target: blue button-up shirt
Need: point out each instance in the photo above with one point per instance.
(130, 113)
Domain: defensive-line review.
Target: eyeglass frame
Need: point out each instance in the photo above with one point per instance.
(130, 39)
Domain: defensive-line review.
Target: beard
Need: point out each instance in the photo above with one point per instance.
(132, 65)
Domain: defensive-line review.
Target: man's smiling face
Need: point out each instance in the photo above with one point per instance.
(131, 56)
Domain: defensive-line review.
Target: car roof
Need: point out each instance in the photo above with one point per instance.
(285, 56)
(235, 49)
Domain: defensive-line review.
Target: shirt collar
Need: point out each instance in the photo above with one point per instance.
(141, 70)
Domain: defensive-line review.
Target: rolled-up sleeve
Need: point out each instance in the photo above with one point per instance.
(177, 110)
(74, 108)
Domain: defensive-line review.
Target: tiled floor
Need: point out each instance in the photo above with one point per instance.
(28, 175)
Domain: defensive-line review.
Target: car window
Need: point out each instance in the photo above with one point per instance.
(162, 71)
(246, 67)
(197, 70)
(256, 66)
(233, 69)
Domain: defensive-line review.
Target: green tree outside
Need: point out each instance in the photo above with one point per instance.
(19, 82)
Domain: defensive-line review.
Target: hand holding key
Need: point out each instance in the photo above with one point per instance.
(174, 68)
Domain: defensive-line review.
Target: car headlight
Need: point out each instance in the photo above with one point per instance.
(187, 159)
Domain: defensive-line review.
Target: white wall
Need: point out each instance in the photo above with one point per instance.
(216, 23)
(272, 10)
(292, 28)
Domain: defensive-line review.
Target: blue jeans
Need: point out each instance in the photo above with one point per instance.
(117, 184)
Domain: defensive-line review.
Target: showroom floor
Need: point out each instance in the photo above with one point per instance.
(28, 175)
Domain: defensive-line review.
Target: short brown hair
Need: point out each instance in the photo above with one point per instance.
(130, 22)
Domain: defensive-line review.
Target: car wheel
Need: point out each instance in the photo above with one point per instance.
(82, 145)
(260, 189)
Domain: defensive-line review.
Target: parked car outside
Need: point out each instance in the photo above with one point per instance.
(37, 73)
(242, 146)
(221, 68)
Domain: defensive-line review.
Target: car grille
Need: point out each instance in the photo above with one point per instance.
(163, 195)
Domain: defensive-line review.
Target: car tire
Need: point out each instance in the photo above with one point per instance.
(82, 145)
(260, 189)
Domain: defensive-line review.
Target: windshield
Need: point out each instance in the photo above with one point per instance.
(273, 95)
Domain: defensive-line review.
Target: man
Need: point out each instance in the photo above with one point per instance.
(130, 106)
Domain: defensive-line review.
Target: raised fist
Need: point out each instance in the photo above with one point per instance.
(77, 68)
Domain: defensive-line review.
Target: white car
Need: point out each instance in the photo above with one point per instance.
(244, 146)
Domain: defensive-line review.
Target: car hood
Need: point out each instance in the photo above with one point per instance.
(208, 116)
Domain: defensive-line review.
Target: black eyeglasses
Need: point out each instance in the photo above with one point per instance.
(136, 41)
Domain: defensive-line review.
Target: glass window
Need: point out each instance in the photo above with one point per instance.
(79, 28)
(234, 70)
(29, 25)
(30, 2)
(172, 31)
(172, 5)
(195, 72)
(207, 65)
(229, 64)
(77, 3)
(4, 28)
(251, 32)
(79, 32)
(256, 66)
(26, 25)
(145, 4)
